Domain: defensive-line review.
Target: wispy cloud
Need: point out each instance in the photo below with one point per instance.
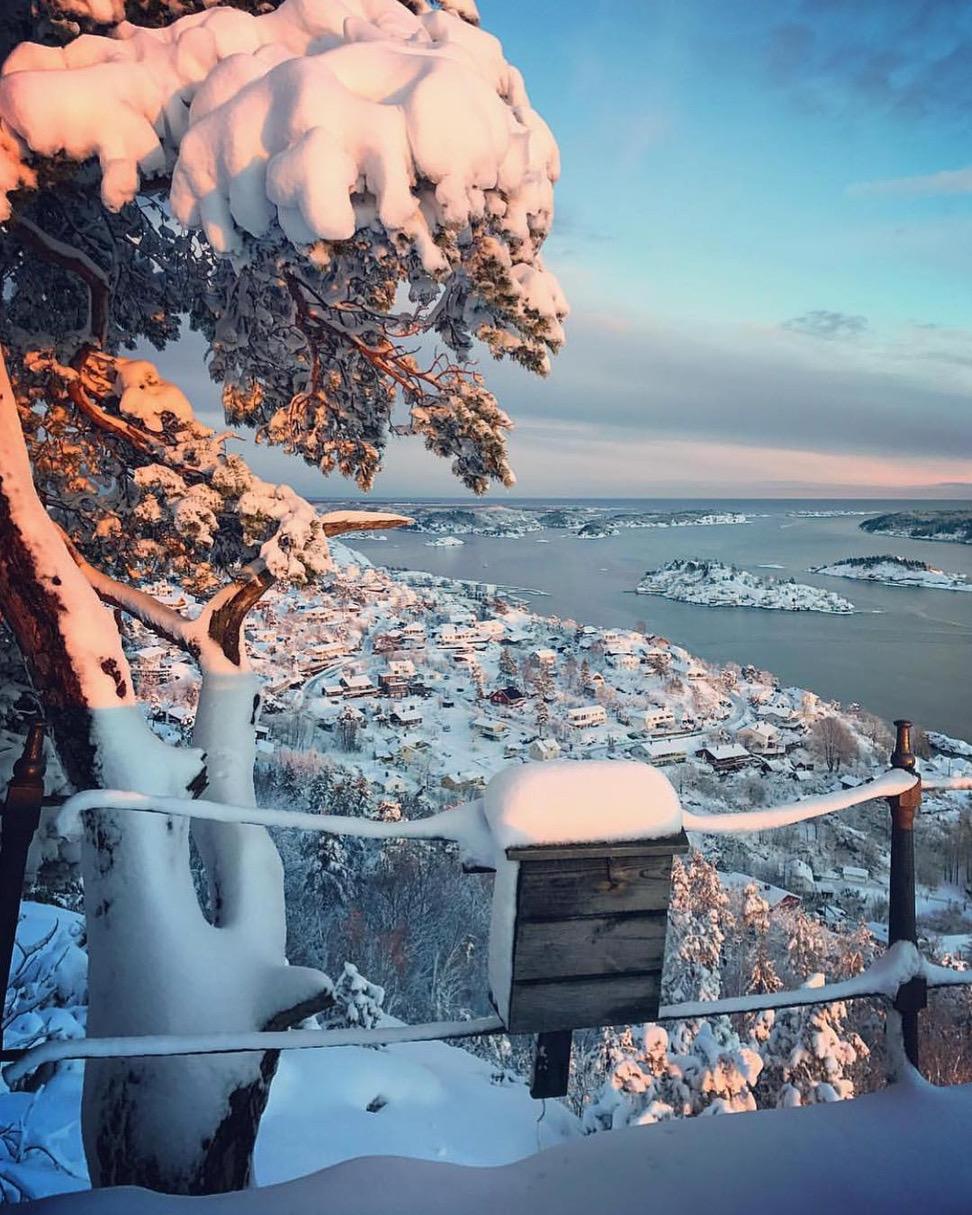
(907, 57)
(948, 181)
(823, 323)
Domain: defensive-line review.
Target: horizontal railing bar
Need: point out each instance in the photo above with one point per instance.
(889, 784)
(22, 1062)
(884, 977)
(882, 980)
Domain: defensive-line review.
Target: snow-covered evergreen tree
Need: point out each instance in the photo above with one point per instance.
(808, 1053)
(322, 232)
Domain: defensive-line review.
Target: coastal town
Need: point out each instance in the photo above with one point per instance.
(423, 688)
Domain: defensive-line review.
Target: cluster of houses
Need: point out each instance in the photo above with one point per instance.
(418, 675)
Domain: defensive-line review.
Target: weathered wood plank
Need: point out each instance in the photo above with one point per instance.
(581, 1003)
(666, 846)
(594, 945)
(563, 889)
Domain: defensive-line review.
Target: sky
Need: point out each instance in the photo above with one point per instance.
(764, 228)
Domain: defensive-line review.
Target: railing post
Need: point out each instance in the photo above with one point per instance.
(19, 819)
(912, 997)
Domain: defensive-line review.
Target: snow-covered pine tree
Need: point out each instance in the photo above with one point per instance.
(701, 1067)
(323, 234)
(808, 1053)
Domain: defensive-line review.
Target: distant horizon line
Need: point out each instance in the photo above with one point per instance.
(942, 503)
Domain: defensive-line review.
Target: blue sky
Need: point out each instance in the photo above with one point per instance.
(769, 274)
(709, 168)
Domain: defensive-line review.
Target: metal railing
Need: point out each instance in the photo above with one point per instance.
(901, 975)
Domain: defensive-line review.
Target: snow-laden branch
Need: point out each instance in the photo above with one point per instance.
(887, 785)
(216, 1044)
(466, 825)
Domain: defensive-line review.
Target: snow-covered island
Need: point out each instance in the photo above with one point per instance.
(509, 522)
(895, 571)
(953, 525)
(691, 580)
(445, 542)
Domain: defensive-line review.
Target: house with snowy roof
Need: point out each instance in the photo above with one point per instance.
(544, 748)
(491, 728)
(463, 782)
(726, 757)
(661, 751)
(624, 660)
(357, 685)
(405, 717)
(762, 739)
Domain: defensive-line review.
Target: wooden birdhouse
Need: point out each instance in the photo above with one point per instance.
(583, 882)
(589, 942)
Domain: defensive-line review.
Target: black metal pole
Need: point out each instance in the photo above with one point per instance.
(902, 926)
(18, 822)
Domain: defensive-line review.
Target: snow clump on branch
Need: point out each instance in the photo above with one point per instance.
(419, 117)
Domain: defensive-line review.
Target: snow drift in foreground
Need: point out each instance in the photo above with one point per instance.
(885, 1153)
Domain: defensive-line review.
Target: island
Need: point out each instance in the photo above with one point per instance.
(445, 542)
(895, 571)
(951, 525)
(714, 584)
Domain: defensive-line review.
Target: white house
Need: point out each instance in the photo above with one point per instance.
(490, 728)
(544, 657)
(655, 721)
(403, 668)
(662, 751)
(586, 715)
(624, 661)
(762, 739)
(452, 636)
(544, 748)
(491, 630)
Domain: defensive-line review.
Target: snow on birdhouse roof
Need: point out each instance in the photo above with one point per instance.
(573, 802)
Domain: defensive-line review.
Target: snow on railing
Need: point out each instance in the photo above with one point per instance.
(883, 979)
(939, 784)
(463, 825)
(888, 785)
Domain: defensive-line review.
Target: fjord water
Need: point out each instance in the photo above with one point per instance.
(908, 652)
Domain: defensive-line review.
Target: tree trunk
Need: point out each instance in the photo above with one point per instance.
(156, 966)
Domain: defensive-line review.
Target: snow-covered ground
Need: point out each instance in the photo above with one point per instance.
(895, 571)
(892, 1151)
(425, 1100)
(717, 585)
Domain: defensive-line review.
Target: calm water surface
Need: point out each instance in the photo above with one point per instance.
(907, 654)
